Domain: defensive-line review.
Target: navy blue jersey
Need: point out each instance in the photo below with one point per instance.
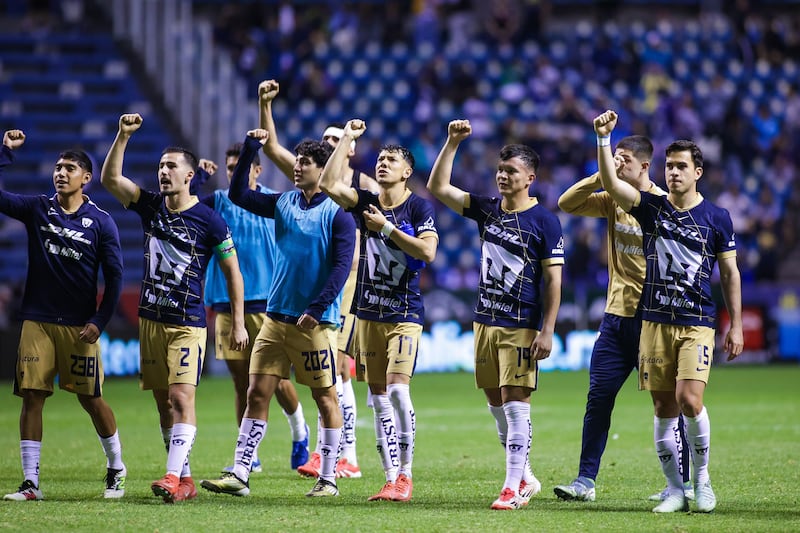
(65, 254)
(515, 246)
(388, 289)
(177, 248)
(681, 247)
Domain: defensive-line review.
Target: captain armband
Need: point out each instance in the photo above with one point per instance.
(225, 249)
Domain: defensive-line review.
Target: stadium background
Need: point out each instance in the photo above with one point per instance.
(724, 74)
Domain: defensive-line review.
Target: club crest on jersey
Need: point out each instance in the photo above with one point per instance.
(86, 222)
(428, 225)
(559, 249)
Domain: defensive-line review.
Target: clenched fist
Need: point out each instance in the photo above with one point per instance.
(355, 128)
(604, 124)
(267, 91)
(458, 130)
(14, 139)
(129, 123)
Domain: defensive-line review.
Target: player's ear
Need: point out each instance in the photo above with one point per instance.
(87, 177)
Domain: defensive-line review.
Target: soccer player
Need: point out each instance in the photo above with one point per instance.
(313, 252)
(249, 232)
(684, 236)
(284, 159)
(69, 240)
(398, 234)
(616, 353)
(181, 235)
(519, 293)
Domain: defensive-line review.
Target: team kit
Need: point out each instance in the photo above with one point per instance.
(303, 282)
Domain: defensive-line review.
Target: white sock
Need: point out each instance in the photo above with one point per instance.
(186, 469)
(406, 421)
(166, 435)
(527, 472)
(666, 435)
(318, 445)
(251, 432)
(329, 453)
(112, 447)
(297, 423)
(180, 445)
(386, 435)
(502, 431)
(698, 433)
(30, 452)
(500, 421)
(518, 442)
(347, 402)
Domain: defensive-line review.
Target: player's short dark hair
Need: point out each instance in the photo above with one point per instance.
(527, 154)
(687, 146)
(80, 157)
(339, 125)
(188, 155)
(236, 148)
(318, 151)
(404, 152)
(640, 145)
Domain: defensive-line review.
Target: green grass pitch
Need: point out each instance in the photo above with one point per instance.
(458, 467)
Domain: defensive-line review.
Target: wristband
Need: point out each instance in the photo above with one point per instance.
(604, 141)
(387, 228)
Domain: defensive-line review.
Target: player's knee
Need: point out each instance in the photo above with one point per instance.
(691, 405)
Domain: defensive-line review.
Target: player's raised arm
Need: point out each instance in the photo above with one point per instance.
(123, 189)
(341, 193)
(442, 171)
(623, 193)
(239, 191)
(281, 156)
(579, 199)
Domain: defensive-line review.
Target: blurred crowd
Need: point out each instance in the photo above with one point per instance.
(725, 77)
(724, 74)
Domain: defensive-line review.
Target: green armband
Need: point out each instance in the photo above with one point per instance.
(225, 249)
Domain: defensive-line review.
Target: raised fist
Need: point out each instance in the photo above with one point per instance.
(268, 90)
(14, 139)
(355, 128)
(130, 122)
(259, 134)
(604, 124)
(458, 130)
(208, 165)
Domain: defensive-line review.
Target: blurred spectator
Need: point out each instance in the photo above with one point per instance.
(767, 127)
(740, 207)
(501, 20)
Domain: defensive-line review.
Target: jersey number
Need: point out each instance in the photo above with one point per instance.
(83, 366)
(316, 360)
